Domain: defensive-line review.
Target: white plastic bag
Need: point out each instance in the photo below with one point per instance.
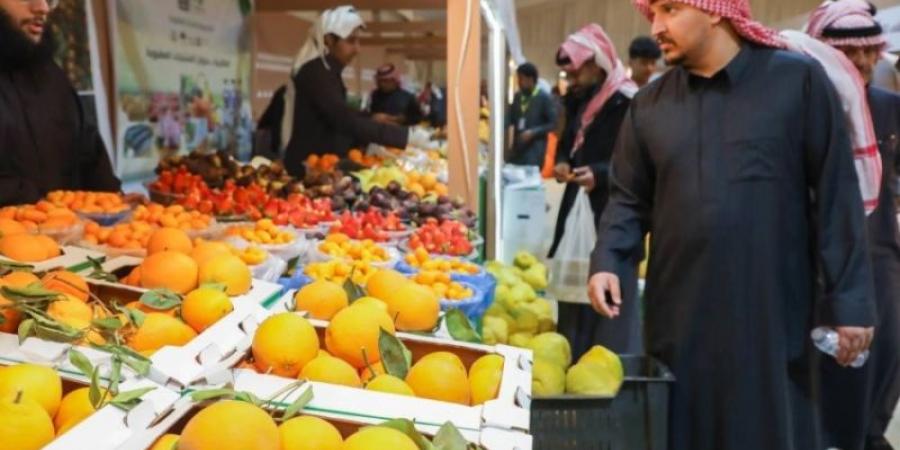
(571, 265)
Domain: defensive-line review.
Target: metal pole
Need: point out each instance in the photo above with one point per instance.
(497, 95)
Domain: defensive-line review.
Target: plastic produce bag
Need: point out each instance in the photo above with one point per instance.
(570, 267)
(270, 269)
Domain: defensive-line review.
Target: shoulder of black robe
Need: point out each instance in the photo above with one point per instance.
(95, 171)
(328, 96)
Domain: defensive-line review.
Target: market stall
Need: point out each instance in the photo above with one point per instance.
(363, 305)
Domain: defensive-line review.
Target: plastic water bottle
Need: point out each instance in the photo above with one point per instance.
(826, 340)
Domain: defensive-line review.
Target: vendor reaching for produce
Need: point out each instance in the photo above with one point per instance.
(46, 143)
(317, 118)
(390, 103)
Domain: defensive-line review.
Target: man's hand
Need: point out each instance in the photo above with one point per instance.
(384, 118)
(134, 199)
(599, 286)
(562, 172)
(584, 177)
(526, 136)
(853, 341)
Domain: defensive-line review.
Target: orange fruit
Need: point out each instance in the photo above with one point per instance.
(414, 307)
(366, 374)
(20, 279)
(385, 282)
(9, 227)
(159, 330)
(75, 407)
(440, 376)
(328, 369)
(50, 246)
(309, 433)
(24, 425)
(133, 278)
(37, 383)
(206, 250)
(484, 378)
(11, 317)
(356, 329)
(171, 270)
(166, 442)
(391, 385)
(230, 425)
(69, 307)
(284, 344)
(323, 299)
(66, 282)
(171, 240)
(229, 270)
(370, 438)
(28, 248)
(204, 307)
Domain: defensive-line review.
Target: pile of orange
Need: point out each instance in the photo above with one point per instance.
(41, 216)
(130, 235)
(264, 231)
(26, 248)
(424, 184)
(174, 263)
(287, 345)
(174, 216)
(339, 271)
(362, 159)
(258, 431)
(324, 163)
(339, 245)
(439, 282)
(89, 202)
(420, 259)
(33, 409)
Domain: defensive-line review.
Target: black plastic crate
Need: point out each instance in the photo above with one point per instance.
(635, 419)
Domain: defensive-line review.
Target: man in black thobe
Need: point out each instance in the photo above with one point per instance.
(45, 141)
(739, 162)
(317, 118)
(532, 115)
(389, 102)
(859, 403)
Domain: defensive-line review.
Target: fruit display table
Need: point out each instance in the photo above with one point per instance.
(242, 295)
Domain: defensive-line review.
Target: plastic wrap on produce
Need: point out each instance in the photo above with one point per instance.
(270, 269)
(285, 252)
(65, 235)
(315, 255)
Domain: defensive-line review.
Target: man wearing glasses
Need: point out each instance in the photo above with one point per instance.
(45, 142)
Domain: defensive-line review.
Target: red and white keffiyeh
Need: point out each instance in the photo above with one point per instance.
(389, 72)
(592, 43)
(848, 23)
(846, 79)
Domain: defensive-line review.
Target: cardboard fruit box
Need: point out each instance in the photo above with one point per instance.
(110, 427)
(169, 365)
(74, 259)
(508, 411)
(73, 380)
(338, 406)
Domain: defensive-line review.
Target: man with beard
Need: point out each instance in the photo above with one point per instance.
(739, 162)
(389, 102)
(602, 92)
(45, 142)
(859, 403)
